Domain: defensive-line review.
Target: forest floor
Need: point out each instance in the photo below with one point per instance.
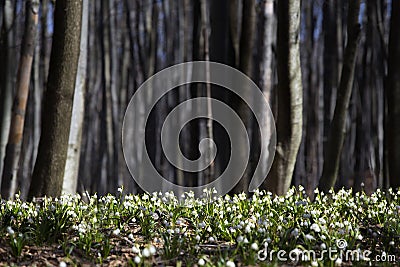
(342, 228)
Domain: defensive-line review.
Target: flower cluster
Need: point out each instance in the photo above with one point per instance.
(224, 231)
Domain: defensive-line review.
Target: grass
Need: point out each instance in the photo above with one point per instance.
(150, 229)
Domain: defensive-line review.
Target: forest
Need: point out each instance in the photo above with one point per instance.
(271, 109)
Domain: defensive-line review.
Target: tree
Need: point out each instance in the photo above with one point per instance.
(13, 149)
(49, 168)
(78, 110)
(6, 74)
(244, 55)
(290, 97)
(334, 144)
(393, 98)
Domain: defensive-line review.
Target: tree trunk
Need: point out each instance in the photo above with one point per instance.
(268, 41)
(6, 74)
(337, 132)
(78, 110)
(330, 57)
(246, 44)
(49, 169)
(13, 150)
(393, 98)
(290, 98)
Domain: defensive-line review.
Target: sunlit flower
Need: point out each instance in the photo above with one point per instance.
(10, 231)
(201, 262)
(309, 237)
(315, 227)
(137, 259)
(146, 253)
(116, 232)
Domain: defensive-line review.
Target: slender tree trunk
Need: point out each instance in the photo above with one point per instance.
(266, 70)
(70, 181)
(393, 98)
(48, 173)
(330, 57)
(6, 74)
(210, 171)
(334, 144)
(13, 150)
(246, 44)
(290, 98)
(107, 101)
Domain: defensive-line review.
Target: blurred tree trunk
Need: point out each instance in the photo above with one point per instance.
(108, 64)
(78, 110)
(330, 58)
(245, 58)
(207, 128)
(6, 76)
(393, 98)
(290, 97)
(49, 169)
(334, 144)
(268, 41)
(13, 149)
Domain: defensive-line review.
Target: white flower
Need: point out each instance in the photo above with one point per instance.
(254, 246)
(295, 232)
(135, 250)
(197, 238)
(146, 252)
(323, 246)
(309, 237)
(137, 259)
(10, 231)
(201, 262)
(116, 232)
(152, 250)
(338, 261)
(239, 239)
(315, 227)
(211, 239)
(62, 264)
(314, 264)
(360, 237)
(155, 216)
(230, 264)
(130, 236)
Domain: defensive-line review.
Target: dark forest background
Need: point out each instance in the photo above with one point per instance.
(349, 54)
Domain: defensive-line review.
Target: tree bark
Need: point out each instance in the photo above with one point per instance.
(70, 181)
(393, 98)
(13, 149)
(290, 98)
(49, 169)
(334, 144)
(6, 74)
(330, 57)
(268, 41)
(246, 44)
